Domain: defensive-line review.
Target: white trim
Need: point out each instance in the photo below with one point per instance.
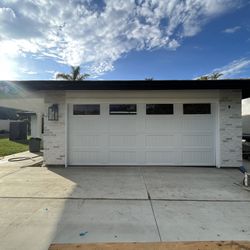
(217, 135)
(39, 125)
(138, 101)
(66, 135)
(167, 94)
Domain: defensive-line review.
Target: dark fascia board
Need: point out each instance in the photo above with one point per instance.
(26, 113)
(135, 85)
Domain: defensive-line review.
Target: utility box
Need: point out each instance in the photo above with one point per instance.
(34, 145)
(18, 131)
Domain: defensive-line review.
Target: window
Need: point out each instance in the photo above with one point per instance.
(86, 109)
(196, 108)
(159, 109)
(122, 109)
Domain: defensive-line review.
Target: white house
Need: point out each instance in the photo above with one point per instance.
(14, 96)
(246, 117)
(246, 124)
(5, 125)
(177, 123)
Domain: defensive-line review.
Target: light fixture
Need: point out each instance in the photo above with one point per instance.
(53, 112)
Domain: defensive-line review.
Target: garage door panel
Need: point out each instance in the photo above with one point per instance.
(82, 157)
(86, 140)
(198, 157)
(122, 157)
(122, 140)
(197, 140)
(160, 140)
(122, 125)
(197, 123)
(161, 157)
(85, 125)
(167, 124)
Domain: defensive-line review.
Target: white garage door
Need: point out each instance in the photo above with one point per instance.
(141, 134)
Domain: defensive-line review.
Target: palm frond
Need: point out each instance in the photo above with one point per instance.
(215, 75)
(83, 77)
(202, 78)
(63, 76)
(75, 72)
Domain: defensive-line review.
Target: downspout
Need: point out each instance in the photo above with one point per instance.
(218, 136)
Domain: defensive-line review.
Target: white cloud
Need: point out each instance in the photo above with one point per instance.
(234, 68)
(232, 30)
(174, 44)
(50, 71)
(7, 14)
(82, 32)
(29, 72)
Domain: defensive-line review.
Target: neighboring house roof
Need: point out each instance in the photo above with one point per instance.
(8, 114)
(26, 114)
(136, 85)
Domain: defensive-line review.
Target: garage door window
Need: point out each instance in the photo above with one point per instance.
(196, 108)
(86, 109)
(159, 109)
(122, 109)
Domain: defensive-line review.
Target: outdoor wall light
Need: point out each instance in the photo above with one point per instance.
(53, 112)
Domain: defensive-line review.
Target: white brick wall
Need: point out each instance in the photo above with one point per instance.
(54, 131)
(230, 128)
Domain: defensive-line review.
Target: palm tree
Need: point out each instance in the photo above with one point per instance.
(75, 75)
(149, 79)
(203, 78)
(213, 76)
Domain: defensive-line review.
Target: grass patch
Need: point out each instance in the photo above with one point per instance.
(8, 147)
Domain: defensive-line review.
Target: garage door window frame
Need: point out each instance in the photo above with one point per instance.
(122, 109)
(197, 109)
(86, 109)
(158, 109)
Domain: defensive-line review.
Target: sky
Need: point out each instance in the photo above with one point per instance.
(124, 39)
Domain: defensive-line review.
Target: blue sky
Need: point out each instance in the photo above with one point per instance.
(117, 39)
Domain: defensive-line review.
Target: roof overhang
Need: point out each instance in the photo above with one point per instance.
(53, 85)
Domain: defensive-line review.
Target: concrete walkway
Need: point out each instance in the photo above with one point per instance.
(121, 204)
(23, 159)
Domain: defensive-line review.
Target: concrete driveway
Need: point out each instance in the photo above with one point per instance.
(116, 204)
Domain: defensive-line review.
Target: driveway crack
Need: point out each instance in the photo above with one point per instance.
(151, 205)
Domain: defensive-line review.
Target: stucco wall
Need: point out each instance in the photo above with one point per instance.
(230, 128)
(54, 131)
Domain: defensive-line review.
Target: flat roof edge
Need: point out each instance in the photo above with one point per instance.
(52, 85)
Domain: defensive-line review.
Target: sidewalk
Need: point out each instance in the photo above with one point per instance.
(24, 159)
